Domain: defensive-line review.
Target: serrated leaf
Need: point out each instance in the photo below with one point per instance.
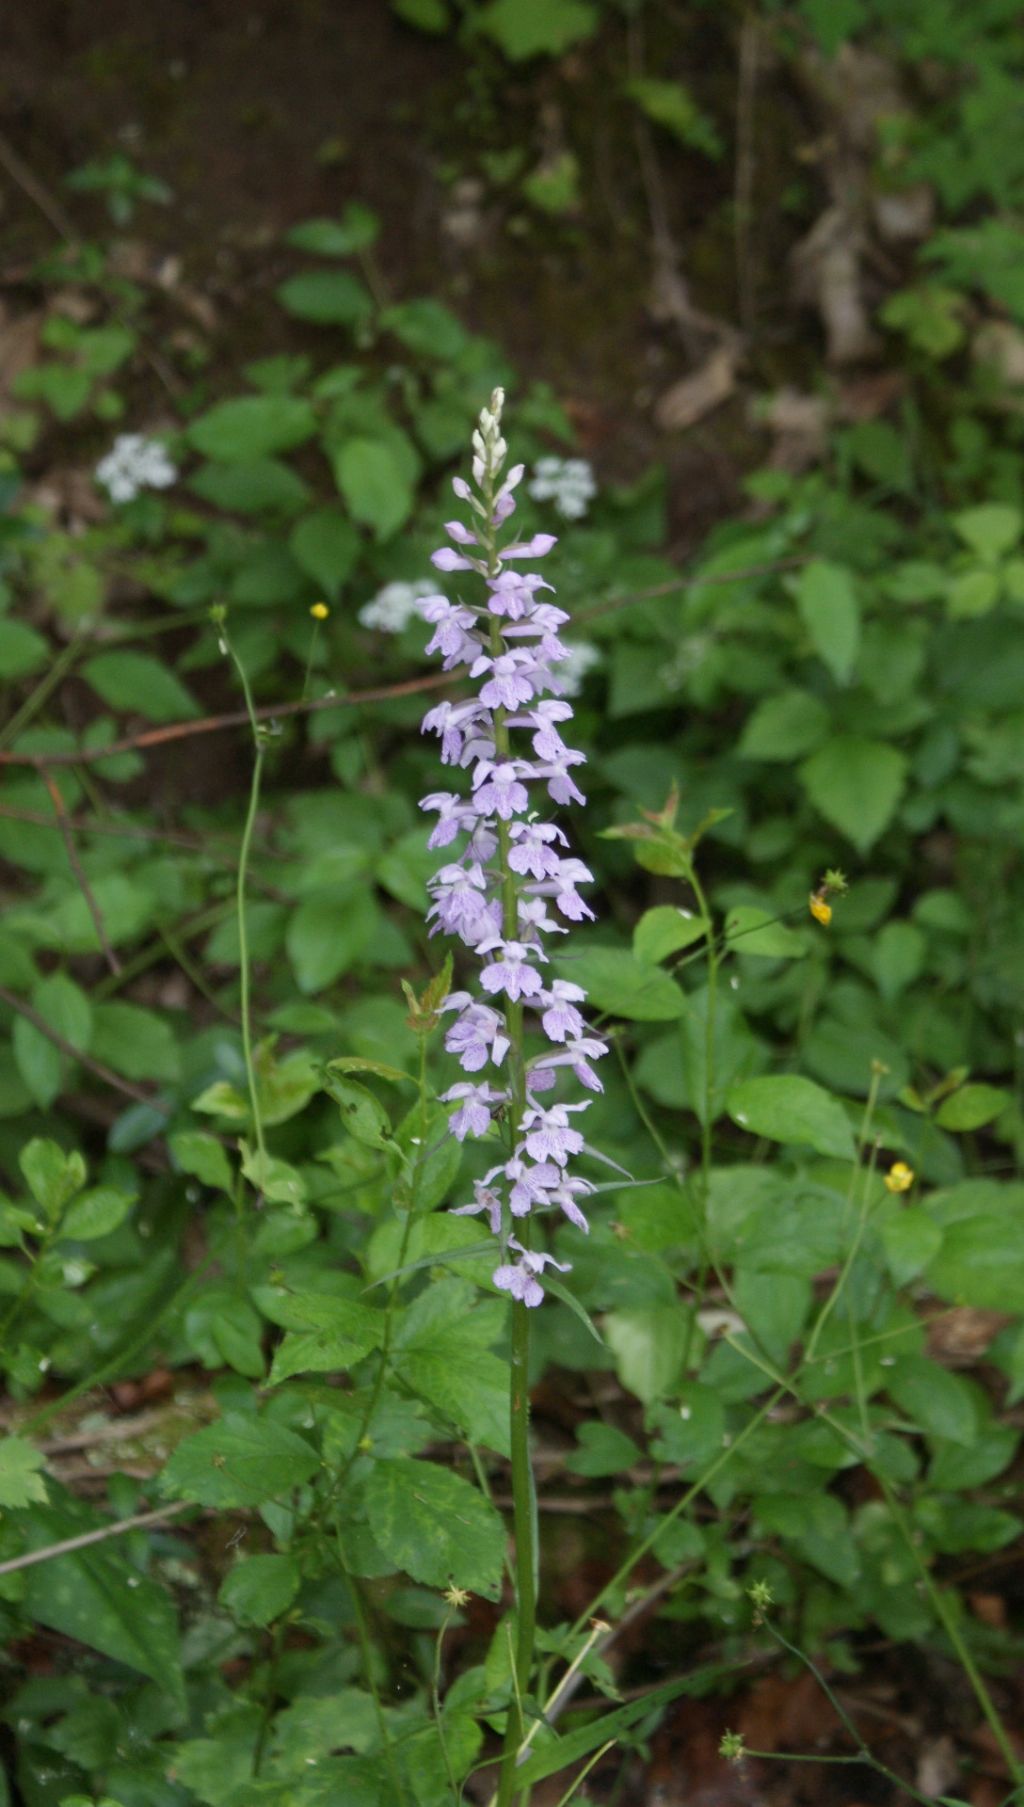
(617, 982)
(856, 784)
(136, 684)
(253, 426)
(260, 1588)
(937, 1401)
(136, 1042)
(665, 930)
(375, 486)
(784, 726)
(327, 547)
(828, 607)
(21, 1483)
(241, 1461)
(792, 1110)
(751, 930)
(95, 1213)
(436, 1526)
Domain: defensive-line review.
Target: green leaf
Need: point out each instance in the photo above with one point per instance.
(362, 1114)
(972, 593)
(435, 1526)
(241, 1461)
(39, 1062)
(526, 28)
(663, 931)
(788, 1109)
(910, 1239)
(672, 106)
(53, 1177)
(617, 982)
(136, 1042)
(981, 1262)
(990, 530)
(356, 230)
(327, 297)
(898, 957)
(690, 1429)
(750, 930)
(326, 934)
(607, 1728)
(427, 328)
(601, 1450)
(65, 1009)
(21, 1483)
(139, 685)
(252, 427)
(828, 607)
(83, 1596)
(260, 485)
(327, 546)
(939, 1402)
(95, 1213)
(261, 1588)
(648, 1343)
(784, 726)
(468, 1385)
(856, 785)
(971, 1106)
(375, 486)
(324, 1335)
(22, 650)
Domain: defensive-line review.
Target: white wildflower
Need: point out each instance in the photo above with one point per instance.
(568, 482)
(572, 671)
(135, 463)
(394, 606)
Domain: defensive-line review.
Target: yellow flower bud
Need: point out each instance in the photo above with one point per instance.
(820, 910)
(900, 1177)
(319, 611)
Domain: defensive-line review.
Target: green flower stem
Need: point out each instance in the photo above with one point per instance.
(524, 1505)
(259, 751)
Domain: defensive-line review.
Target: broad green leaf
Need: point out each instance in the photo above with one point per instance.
(361, 1112)
(601, 1450)
(252, 427)
(935, 1400)
(526, 28)
(828, 607)
(426, 327)
(124, 906)
(39, 1062)
(465, 1383)
(22, 650)
(784, 726)
(648, 1344)
(981, 1262)
(972, 593)
(21, 1483)
(95, 1213)
(991, 529)
(898, 957)
(665, 930)
(789, 1109)
(689, 1428)
(327, 547)
(84, 1596)
(327, 932)
(910, 1239)
(856, 785)
(773, 1306)
(672, 106)
(53, 1177)
(260, 485)
(260, 1588)
(971, 1106)
(137, 684)
(356, 230)
(607, 1728)
(375, 486)
(436, 1526)
(617, 982)
(751, 930)
(136, 1042)
(327, 297)
(241, 1461)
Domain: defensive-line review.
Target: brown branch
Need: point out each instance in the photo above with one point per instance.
(215, 724)
(67, 1545)
(21, 1008)
(79, 871)
(271, 712)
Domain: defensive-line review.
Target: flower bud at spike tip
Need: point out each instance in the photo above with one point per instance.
(319, 611)
(900, 1177)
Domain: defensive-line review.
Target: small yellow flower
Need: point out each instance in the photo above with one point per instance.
(319, 611)
(456, 1596)
(820, 910)
(900, 1177)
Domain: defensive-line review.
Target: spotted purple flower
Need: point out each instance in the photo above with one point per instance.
(508, 881)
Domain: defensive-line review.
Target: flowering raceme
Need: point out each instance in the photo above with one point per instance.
(507, 883)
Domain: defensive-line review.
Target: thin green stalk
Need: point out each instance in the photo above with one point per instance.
(259, 748)
(714, 962)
